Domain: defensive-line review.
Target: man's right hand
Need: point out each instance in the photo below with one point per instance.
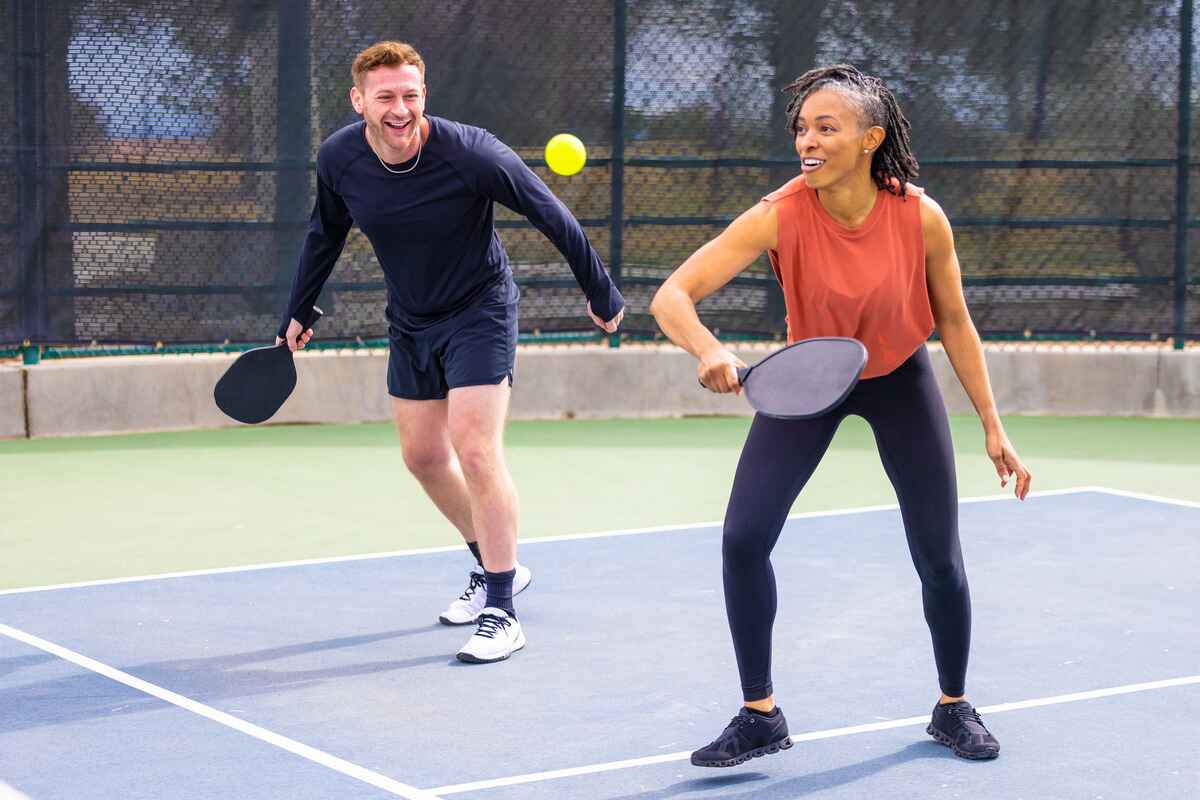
(296, 337)
(609, 326)
(718, 371)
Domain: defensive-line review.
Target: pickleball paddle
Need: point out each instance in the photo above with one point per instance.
(805, 379)
(259, 381)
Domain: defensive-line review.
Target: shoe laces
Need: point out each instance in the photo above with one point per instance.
(476, 583)
(967, 714)
(492, 625)
(736, 724)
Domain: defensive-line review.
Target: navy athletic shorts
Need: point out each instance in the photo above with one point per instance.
(475, 347)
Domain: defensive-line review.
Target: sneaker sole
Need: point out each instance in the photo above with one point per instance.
(941, 738)
(469, 658)
(771, 749)
(446, 621)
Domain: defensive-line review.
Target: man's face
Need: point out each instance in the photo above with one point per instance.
(392, 101)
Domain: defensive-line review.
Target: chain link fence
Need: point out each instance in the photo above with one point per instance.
(156, 157)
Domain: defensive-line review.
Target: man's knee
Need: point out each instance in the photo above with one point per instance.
(479, 458)
(427, 459)
(476, 426)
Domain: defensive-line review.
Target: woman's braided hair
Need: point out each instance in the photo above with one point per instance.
(893, 164)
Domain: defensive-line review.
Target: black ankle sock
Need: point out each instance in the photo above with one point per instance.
(500, 589)
(474, 546)
(767, 714)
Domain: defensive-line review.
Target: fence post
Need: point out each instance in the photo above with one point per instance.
(292, 139)
(617, 213)
(1182, 166)
(30, 167)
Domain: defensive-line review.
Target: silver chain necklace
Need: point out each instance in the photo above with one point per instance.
(420, 146)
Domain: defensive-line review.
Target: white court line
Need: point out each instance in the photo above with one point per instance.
(812, 737)
(406, 791)
(1153, 498)
(290, 745)
(534, 540)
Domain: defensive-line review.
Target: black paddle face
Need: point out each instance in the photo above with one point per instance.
(255, 386)
(258, 382)
(806, 379)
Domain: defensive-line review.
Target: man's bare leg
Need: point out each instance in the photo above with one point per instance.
(429, 455)
(477, 432)
(476, 425)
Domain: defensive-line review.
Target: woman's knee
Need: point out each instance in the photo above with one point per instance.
(744, 542)
(943, 576)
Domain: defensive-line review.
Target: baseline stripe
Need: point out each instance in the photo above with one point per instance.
(813, 736)
(1153, 498)
(534, 540)
(262, 734)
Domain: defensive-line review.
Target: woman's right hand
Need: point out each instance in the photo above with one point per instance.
(718, 371)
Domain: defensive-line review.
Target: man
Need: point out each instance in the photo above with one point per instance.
(422, 189)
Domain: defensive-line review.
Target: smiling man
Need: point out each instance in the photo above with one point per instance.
(423, 189)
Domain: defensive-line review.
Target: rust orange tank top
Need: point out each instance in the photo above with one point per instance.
(866, 282)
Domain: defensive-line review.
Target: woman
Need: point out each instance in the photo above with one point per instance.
(859, 252)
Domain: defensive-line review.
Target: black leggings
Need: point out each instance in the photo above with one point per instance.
(908, 418)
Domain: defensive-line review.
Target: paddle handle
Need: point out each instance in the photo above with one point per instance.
(742, 372)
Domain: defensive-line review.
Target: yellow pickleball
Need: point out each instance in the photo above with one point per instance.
(565, 154)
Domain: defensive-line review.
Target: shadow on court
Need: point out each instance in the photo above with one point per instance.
(759, 785)
(10, 665)
(91, 696)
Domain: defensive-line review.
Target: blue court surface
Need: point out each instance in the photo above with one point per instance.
(332, 679)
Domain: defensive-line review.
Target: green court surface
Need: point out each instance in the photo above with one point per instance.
(92, 508)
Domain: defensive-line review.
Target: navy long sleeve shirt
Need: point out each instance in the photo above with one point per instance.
(432, 229)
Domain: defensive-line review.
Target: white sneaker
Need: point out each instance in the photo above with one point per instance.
(468, 606)
(497, 637)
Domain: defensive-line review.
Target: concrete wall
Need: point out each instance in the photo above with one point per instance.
(90, 396)
(1179, 383)
(12, 403)
(624, 382)
(1077, 381)
(146, 393)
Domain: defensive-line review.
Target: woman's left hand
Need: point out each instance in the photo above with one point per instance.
(1008, 463)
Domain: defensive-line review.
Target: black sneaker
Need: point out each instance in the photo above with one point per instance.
(748, 736)
(959, 727)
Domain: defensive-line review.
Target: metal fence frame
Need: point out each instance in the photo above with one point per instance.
(33, 171)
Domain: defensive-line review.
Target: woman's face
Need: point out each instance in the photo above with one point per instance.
(831, 139)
